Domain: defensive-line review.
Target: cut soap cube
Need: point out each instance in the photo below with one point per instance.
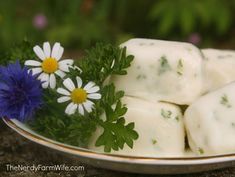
(219, 68)
(160, 128)
(162, 70)
(210, 122)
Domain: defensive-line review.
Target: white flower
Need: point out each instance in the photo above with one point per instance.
(50, 64)
(79, 96)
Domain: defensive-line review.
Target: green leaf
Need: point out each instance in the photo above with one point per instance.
(116, 134)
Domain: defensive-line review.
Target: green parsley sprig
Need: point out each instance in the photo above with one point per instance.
(115, 133)
(103, 61)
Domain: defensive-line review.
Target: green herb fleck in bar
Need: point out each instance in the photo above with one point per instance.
(201, 151)
(180, 67)
(164, 65)
(224, 101)
(177, 118)
(166, 114)
(233, 124)
(154, 141)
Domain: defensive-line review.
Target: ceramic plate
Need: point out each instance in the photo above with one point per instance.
(129, 163)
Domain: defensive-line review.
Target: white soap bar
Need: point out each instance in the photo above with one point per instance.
(210, 122)
(219, 68)
(162, 70)
(160, 128)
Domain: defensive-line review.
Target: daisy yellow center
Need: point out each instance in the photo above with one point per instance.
(49, 65)
(78, 95)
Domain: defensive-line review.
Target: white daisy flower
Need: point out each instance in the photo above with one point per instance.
(78, 95)
(50, 64)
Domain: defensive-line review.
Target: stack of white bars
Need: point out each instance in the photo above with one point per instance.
(165, 75)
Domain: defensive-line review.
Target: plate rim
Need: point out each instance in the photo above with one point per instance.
(82, 152)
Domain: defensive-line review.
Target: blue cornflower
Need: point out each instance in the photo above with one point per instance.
(20, 92)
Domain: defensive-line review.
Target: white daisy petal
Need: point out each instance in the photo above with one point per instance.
(55, 50)
(67, 62)
(67, 110)
(62, 91)
(45, 84)
(40, 76)
(59, 53)
(32, 63)
(88, 105)
(63, 99)
(73, 109)
(93, 89)
(89, 85)
(39, 52)
(68, 83)
(79, 82)
(95, 96)
(64, 67)
(45, 77)
(60, 73)
(47, 49)
(80, 109)
(52, 81)
(36, 70)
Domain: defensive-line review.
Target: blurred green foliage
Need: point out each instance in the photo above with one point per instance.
(81, 23)
(189, 16)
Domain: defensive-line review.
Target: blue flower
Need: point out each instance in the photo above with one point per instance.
(20, 92)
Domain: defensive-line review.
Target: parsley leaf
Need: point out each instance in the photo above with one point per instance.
(166, 113)
(164, 65)
(116, 133)
(224, 101)
(180, 67)
(201, 151)
(154, 141)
